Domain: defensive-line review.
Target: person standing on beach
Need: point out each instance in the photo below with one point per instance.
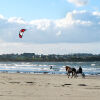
(80, 71)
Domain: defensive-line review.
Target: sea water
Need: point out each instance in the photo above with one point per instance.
(89, 68)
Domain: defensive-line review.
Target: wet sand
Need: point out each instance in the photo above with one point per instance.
(48, 87)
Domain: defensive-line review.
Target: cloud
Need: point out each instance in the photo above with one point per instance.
(75, 27)
(58, 33)
(78, 3)
(41, 24)
(1, 17)
(55, 48)
(16, 20)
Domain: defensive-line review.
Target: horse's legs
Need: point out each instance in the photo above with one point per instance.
(68, 74)
(72, 74)
(75, 75)
(83, 75)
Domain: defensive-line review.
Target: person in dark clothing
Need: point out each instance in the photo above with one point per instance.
(50, 67)
(80, 71)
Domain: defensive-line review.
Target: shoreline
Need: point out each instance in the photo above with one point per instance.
(18, 86)
(43, 73)
(57, 68)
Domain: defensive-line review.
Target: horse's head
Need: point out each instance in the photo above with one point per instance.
(67, 68)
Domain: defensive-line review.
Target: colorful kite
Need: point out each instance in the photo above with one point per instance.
(21, 32)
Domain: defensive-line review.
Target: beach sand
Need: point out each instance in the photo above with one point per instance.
(48, 87)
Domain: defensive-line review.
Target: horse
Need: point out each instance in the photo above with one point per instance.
(71, 70)
(80, 71)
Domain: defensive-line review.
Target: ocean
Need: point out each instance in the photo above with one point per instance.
(89, 68)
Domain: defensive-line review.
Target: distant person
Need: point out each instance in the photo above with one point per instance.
(80, 71)
(50, 67)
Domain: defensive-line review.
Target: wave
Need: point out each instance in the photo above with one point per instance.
(44, 67)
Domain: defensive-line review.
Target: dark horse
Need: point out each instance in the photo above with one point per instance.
(71, 70)
(80, 71)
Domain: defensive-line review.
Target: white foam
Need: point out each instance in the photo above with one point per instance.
(93, 64)
(31, 66)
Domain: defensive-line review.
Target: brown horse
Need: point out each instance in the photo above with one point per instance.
(71, 70)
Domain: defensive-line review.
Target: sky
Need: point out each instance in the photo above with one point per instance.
(52, 26)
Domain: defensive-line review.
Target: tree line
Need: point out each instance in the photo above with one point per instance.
(50, 57)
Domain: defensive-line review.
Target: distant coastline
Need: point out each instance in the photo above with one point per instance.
(31, 57)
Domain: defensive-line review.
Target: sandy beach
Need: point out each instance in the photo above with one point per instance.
(48, 87)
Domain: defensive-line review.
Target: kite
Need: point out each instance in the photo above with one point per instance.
(21, 32)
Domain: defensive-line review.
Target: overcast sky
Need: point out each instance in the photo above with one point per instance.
(53, 26)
